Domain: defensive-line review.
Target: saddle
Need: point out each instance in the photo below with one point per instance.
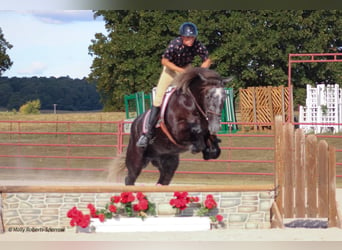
(165, 102)
(169, 92)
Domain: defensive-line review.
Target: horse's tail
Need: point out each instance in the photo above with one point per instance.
(116, 171)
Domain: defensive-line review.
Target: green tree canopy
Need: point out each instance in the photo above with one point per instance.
(67, 93)
(252, 45)
(5, 61)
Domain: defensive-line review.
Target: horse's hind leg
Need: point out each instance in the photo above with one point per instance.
(135, 162)
(167, 166)
(134, 166)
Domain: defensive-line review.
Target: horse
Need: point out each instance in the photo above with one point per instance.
(190, 122)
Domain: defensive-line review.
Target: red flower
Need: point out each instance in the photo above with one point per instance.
(112, 208)
(210, 203)
(92, 210)
(194, 199)
(115, 199)
(102, 217)
(127, 197)
(210, 196)
(141, 206)
(85, 220)
(181, 200)
(72, 222)
(219, 218)
(140, 196)
(72, 212)
(78, 218)
(180, 195)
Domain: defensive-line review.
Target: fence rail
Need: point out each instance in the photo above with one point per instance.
(69, 136)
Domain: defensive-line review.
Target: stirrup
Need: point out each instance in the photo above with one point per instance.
(143, 141)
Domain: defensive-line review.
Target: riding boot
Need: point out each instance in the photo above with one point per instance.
(145, 138)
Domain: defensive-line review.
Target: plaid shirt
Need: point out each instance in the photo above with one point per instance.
(182, 55)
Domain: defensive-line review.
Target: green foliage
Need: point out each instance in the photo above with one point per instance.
(5, 61)
(252, 45)
(68, 94)
(31, 107)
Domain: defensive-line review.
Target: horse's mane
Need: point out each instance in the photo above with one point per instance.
(183, 81)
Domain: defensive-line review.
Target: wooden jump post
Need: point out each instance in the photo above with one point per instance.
(305, 177)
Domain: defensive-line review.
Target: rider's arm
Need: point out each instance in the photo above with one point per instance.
(206, 63)
(171, 65)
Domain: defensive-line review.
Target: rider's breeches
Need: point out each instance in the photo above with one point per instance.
(165, 80)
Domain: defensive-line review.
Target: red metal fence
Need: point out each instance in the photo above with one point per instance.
(96, 143)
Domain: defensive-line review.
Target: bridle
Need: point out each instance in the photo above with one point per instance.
(204, 113)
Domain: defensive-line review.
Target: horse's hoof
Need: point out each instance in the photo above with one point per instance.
(194, 149)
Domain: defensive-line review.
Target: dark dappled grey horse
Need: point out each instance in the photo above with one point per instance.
(190, 121)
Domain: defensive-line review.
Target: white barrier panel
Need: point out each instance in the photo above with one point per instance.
(323, 106)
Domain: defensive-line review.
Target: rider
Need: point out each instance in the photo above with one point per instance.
(178, 55)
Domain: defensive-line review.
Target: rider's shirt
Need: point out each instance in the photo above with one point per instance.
(182, 55)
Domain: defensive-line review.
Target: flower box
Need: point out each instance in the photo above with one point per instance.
(152, 224)
(108, 219)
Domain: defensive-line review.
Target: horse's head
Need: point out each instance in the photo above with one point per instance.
(206, 87)
(213, 102)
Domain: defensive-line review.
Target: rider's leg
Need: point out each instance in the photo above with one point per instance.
(165, 80)
(145, 138)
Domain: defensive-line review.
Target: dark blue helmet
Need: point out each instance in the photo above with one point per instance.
(188, 29)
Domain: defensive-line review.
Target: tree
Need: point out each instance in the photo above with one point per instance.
(252, 45)
(5, 61)
(128, 59)
(31, 107)
(69, 94)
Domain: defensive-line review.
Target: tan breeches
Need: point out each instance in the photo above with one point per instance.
(164, 82)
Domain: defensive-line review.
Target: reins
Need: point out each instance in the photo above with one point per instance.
(200, 108)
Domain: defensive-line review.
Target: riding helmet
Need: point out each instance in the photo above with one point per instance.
(188, 29)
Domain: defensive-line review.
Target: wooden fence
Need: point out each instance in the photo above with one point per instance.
(305, 177)
(262, 104)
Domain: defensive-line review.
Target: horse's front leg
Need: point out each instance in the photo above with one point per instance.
(212, 150)
(197, 139)
(167, 166)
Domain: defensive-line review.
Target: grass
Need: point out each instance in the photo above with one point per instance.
(103, 153)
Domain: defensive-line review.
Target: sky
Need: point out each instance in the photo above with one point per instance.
(50, 43)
